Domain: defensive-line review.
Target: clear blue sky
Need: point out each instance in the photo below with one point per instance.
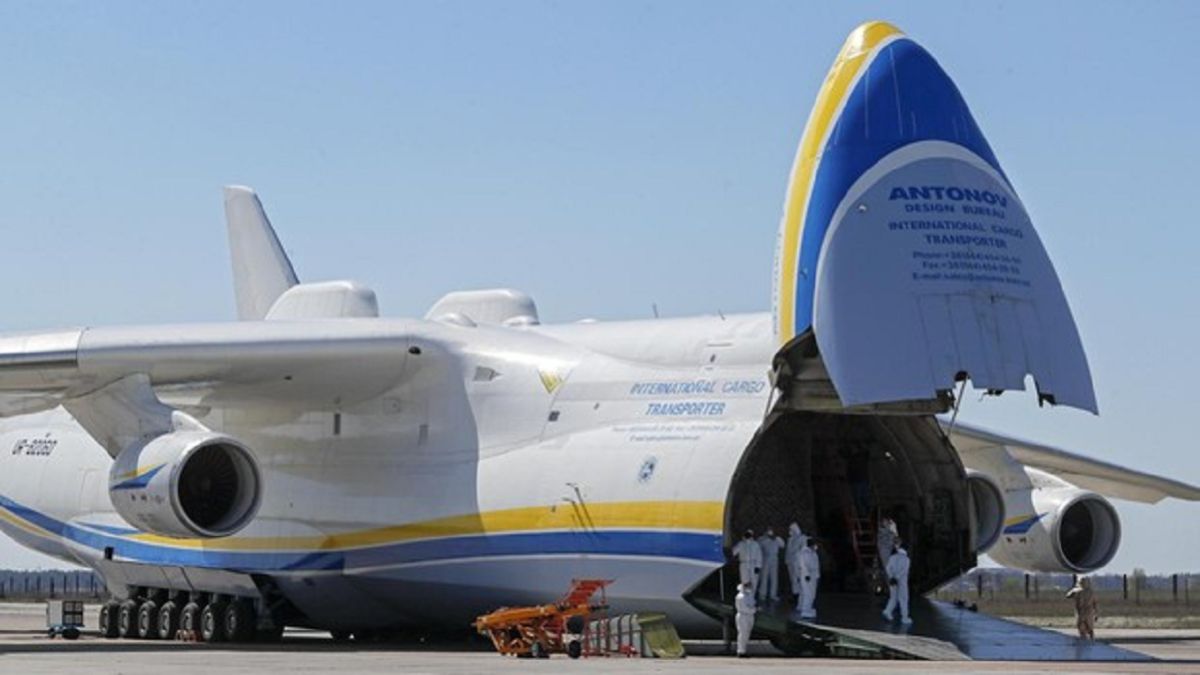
(601, 157)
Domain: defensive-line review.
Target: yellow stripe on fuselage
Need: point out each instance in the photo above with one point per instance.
(830, 100)
(23, 524)
(657, 515)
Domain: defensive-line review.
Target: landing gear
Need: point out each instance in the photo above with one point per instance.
(108, 619)
(147, 620)
(127, 619)
(212, 622)
(239, 621)
(161, 614)
(189, 618)
(168, 620)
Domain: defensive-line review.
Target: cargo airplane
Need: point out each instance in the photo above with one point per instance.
(315, 464)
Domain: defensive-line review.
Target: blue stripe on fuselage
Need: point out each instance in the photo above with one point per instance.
(660, 543)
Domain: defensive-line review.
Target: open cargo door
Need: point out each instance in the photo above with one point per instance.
(906, 261)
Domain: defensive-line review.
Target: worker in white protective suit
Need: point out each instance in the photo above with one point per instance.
(795, 542)
(897, 575)
(749, 557)
(768, 583)
(885, 540)
(810, 578)
(745, 606)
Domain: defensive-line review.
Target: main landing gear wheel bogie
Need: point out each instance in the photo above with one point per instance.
(154, 617)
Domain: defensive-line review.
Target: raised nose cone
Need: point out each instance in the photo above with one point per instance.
(899, 222)
(894, 93)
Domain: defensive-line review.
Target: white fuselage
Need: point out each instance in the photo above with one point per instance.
(510, 461)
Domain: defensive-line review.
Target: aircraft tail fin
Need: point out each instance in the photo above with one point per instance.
(261, 269)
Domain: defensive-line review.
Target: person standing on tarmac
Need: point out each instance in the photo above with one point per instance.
(1086, 610)
(795, 542)
(744, 604)
(768, 585)
(897, 575)
(810, 578)
(749, 557)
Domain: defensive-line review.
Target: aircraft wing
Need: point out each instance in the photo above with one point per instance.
(306, 364)
(1092, 474)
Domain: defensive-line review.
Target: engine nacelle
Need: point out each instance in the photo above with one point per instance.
(987, 510)
(186, 484)
(1058, 528)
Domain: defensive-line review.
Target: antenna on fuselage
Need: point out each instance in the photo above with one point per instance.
(654, 306)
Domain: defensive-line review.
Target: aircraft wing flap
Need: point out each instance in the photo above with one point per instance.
(311, 363)
(1103, 477)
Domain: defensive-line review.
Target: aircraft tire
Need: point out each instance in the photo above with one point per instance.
(127, 619)
(168, 620)
(108, 620)
(212, 622)
(147, 620)
(189, 618)
(239, 621)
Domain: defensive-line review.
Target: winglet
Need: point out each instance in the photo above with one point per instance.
(261, 270)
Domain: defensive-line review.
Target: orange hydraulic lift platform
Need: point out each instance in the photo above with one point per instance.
(540, 630)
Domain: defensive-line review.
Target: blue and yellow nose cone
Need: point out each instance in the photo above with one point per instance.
(903, 247)
(883, 91)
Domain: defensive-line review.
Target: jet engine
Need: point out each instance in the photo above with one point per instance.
(1058, 528)
(987, 510)
(186, 484)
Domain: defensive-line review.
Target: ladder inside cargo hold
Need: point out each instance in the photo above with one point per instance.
(865, 551)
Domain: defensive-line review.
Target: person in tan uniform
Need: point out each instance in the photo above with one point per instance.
(1086, 610)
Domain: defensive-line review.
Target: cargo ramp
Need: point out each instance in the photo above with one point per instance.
(851, 626)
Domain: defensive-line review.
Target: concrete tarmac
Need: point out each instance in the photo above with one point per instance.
(25, 649)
